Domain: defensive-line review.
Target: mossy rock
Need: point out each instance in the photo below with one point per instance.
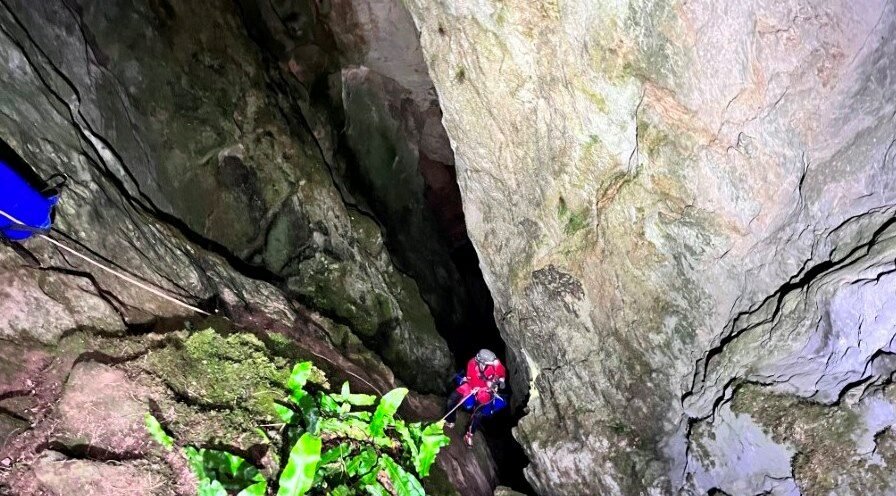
(339, 290)
(218, 390)
(823, 436)
(438, 484)
(215, 371)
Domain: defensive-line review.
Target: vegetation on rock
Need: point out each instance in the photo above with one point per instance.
(341, 443)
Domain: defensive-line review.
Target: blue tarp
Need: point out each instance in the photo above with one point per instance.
(21, 200)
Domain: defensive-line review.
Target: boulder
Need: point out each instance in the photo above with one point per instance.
(672, 200)
(101, 414)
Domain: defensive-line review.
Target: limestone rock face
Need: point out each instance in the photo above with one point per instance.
(685, 212)
(101, 410)
(179, 140)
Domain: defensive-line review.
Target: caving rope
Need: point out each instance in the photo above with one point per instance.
(26, 212)
(154, 291)
(464, 400)
(458, 405)
(41, 234)
(19, 225)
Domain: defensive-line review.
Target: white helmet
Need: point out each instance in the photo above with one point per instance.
(486, 357)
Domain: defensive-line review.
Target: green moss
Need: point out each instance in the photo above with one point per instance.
(593, 148)
(224, 385)
(700, 434)
(597, 99)
(643, 43)
(367, 233)
(620, 428)
(281, 345)
(331, 286)
(651, 138)
(383, 321)
(573, 222)
(232, 372)
(460, 75)
(822, 435)
(235, 429)
(656, 29)
(501, 16)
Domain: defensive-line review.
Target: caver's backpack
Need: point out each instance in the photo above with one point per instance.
(31, 206)
(26, 210)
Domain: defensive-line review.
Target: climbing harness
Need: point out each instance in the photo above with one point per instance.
(496, 403)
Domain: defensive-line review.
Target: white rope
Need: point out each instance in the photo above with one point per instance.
(160, 294)
(114, 272)
(461, 402)
(349, 372)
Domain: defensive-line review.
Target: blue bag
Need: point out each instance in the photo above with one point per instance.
(29, 205)
(487, 410)
(497, 403)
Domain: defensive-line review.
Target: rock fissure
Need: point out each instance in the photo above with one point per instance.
(798, 282)
(83, 126)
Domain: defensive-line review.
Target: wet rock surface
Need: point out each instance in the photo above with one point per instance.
(54, 473)
(199, 168)
(174, 137)
(674, 203)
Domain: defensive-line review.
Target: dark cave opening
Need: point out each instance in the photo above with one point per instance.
(465, 332)
(376, 177)
(477, 328)
(474, 328)
(483, 333)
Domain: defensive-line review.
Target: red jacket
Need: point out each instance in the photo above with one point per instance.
(481, 379)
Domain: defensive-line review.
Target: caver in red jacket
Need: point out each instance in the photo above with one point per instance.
(484, 379)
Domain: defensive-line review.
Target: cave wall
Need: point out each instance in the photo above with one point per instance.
(685, 213)
(204, 167)
(171, 111)
(361, 64)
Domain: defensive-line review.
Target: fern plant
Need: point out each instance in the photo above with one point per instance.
(341, 444)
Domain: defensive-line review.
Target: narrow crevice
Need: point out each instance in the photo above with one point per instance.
(483, 332)
(82, 451)
(14, 415)
(478, 329)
